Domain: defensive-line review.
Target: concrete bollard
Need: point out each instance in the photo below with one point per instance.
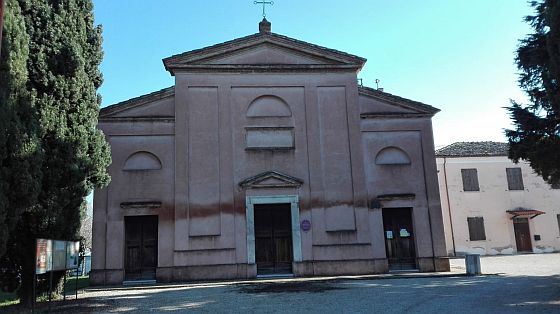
(472, 263)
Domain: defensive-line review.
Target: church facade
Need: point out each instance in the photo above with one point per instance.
(266, 158)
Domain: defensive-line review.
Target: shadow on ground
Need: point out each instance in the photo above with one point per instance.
(67, 306)
(290, 287)
(484, 294)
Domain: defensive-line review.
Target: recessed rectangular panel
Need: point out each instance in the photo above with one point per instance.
(270, 138)
(335, 159)
(204, 161)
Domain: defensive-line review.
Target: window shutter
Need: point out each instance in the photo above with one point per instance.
(470, 180)
(514, 178)
(476, 228)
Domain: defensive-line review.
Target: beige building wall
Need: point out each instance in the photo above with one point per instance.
(492, 202)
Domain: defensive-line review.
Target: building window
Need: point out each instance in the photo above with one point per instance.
(514, 179)
(558, 218)
(476, 228)
(470, 180)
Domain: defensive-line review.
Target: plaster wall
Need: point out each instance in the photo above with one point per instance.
(491, 203)
(200, 135)
(321, 156)
(415, 138)
(126, 139)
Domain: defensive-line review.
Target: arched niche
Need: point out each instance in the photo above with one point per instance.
(392, 156)
(269, 106)
(142, 161)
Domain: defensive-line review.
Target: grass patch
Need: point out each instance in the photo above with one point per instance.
(8, 298)
(83, 282)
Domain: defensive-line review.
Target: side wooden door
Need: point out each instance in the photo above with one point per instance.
(522, 235)
(399, 238)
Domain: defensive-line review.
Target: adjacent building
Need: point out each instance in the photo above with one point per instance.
(492, 205)
(266, 157)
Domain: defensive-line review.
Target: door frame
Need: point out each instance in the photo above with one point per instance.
(526, 221)
(125, 242)
(293, 200)
(410, 210)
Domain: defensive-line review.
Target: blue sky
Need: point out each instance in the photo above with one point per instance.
(454, 55)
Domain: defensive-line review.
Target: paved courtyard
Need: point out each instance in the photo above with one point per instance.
(520, 284)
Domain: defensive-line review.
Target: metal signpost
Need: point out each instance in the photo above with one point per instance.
(72, 262)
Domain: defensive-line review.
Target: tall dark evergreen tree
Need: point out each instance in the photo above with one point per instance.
(63, 78)
(536, 136)
(20, 154)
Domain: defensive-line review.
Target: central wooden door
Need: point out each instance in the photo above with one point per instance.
(522, 235)
(273, 239)
(141, 247)
(399, 238)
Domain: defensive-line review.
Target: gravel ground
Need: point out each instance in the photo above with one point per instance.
(517, 265)
(521, 284)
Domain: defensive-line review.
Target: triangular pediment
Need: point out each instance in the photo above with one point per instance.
(271, 179)
(160, 104)
(266, 53)
(263, 51)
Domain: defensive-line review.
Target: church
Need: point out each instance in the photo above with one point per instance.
(266, 158)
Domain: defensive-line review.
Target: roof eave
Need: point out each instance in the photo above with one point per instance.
(188, 58)
(468, 156)
(136, 101)
(399, 101)
(261, 68)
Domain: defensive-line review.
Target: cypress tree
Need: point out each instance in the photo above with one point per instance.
(536, 136)
(20, 154)
(63, 78)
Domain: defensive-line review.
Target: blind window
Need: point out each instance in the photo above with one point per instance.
(514, 178)
(470, 180)
(476, 228)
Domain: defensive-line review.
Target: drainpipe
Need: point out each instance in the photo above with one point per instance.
(449, 204)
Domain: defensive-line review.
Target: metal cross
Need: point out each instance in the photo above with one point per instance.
(264, 3)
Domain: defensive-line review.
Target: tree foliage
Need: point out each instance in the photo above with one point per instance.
(62, 80)
(20, 152)
(536, 136)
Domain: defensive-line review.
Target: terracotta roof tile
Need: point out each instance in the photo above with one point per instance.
(473, 149)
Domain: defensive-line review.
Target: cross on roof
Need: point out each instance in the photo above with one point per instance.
(264, 3)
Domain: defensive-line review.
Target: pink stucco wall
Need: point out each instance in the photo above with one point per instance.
(198, 130)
